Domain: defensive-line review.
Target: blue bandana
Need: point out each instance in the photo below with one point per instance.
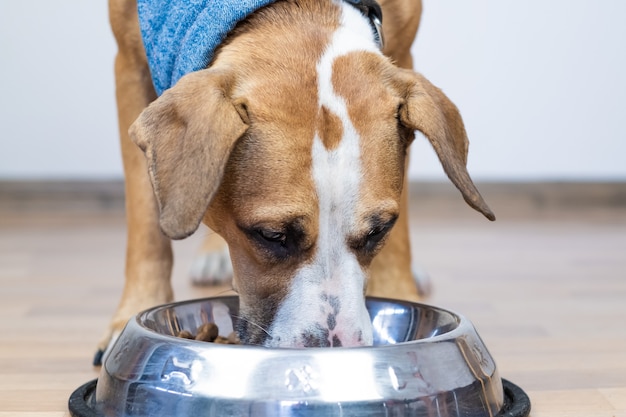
(180, 36)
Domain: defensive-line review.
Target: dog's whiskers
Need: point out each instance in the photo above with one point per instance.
(243, 318)
(264, 330)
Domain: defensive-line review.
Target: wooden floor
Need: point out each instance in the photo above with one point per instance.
(545, 286)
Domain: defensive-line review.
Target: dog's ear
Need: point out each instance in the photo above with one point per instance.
(187, 135)
(424, 107)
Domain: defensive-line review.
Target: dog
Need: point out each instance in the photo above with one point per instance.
(290, 142)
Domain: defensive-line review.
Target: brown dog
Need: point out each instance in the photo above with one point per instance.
(292, 145)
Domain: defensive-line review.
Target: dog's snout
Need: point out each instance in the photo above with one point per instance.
(318, 336)
(321, 336)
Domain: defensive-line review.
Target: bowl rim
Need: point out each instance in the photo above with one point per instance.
(461, 322)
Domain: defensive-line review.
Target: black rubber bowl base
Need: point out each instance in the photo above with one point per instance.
(78, 403)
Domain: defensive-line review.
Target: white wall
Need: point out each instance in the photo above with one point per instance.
(57, 103)
(541, 86)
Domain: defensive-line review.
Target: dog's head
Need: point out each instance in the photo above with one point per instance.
(293, 147)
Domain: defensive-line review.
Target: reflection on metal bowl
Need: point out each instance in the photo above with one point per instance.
(426, 361)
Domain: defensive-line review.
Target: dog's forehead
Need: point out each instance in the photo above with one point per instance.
(338, 94)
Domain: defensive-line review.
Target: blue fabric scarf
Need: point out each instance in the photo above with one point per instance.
(180, 36)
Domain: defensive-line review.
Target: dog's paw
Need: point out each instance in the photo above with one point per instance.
(212, 268)
(422, 281)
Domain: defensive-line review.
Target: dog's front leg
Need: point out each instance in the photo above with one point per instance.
(148, 251)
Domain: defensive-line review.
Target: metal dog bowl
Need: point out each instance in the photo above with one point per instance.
(426, 361)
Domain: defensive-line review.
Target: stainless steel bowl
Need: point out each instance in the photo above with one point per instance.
(426, 361)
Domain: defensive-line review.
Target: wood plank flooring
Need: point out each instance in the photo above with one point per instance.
(545, 286)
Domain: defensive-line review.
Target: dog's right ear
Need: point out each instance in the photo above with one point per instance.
(187, 135)
(426, 108)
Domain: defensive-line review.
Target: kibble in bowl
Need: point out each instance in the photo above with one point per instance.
(209, 332)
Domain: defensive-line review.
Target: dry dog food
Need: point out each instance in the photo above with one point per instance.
(209, 332)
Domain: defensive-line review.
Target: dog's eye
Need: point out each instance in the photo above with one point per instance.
(277, 242)
(375, 235)
(372, 240)
(376, 232)
(273, 236)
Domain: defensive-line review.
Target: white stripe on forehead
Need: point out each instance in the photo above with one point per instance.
(337, 172)
(335, 270)
(354, 34)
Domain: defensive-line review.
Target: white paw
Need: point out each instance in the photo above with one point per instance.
(212, 268)
(422, 280)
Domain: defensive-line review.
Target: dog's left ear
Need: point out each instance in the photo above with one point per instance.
(424, 107)
(187, 135)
